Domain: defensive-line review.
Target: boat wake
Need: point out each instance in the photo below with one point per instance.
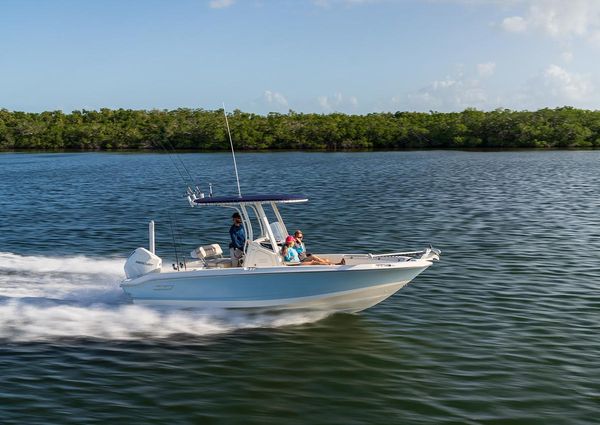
(44, 298)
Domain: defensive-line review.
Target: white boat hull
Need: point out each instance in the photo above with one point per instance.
(314, 288)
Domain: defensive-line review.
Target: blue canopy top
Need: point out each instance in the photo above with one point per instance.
(248, 199)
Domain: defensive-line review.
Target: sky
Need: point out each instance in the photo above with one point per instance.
(323, 56)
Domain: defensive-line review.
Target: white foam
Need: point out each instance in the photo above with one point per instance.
(77, 264)
(70, 278)
(26, 322)
(79, 297)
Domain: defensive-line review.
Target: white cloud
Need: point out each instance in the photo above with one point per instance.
(449, 94)
(514, 24)
(552, 87)
(275, 98)
(324, 102)
(486, 69)
(557, 18)
(464, 89)
(220, 4)
(338, 103)
(568, 86)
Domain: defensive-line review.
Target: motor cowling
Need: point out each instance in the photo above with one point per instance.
(141, 262)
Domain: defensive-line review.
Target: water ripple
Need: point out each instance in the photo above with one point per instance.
(503, 330)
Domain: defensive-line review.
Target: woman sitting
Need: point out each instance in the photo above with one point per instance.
(290, 255)
(303, 255)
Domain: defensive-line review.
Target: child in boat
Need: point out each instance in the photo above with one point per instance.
(290, 255)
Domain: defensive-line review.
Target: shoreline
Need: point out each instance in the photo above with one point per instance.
(201, 130)
(270, 151)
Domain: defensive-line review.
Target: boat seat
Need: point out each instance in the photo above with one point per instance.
(219, 263)
(207, 251)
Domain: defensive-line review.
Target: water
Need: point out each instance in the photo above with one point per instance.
(504, 330)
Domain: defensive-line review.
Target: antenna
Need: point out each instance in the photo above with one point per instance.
(237, 177)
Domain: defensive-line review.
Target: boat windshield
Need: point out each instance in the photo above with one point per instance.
(259, 227)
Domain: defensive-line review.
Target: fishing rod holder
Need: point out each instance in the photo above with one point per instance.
(193, 194)
(151, 239)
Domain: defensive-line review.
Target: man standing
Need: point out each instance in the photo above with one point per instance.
(238, 240)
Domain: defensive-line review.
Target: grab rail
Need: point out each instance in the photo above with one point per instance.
(397, 254)
(423, 252)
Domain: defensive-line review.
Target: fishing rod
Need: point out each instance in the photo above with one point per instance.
(178, 238)
(237, 177)
(181, 161)
(175, 267)
(173, 162)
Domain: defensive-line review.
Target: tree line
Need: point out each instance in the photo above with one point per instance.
(199, 129)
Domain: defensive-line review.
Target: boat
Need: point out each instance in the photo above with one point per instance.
(263, 281)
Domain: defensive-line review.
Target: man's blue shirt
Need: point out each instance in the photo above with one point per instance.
(238, 237)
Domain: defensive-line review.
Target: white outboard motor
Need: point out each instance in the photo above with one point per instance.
(141, 262)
